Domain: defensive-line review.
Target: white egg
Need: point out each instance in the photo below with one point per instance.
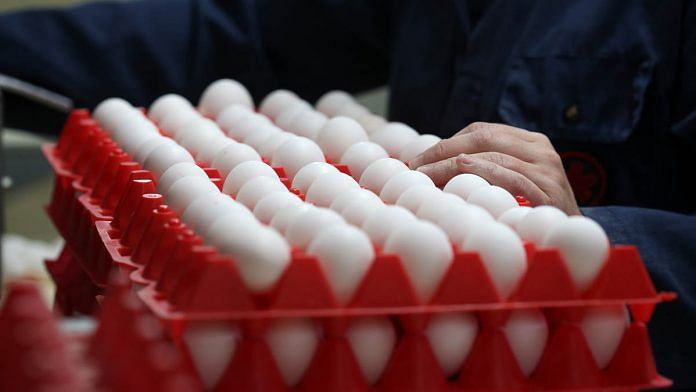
(177, 171)
(357, 211)
(379, 172)
(352, 110)
(372, 340)
(584, 246)
(192, 214)
(346, 254)
(451, 336)
(502, 252)
(345, 198)
(244, 172)
(222, 93)
(185, 190)
(200, 134)
(276, 101)
(371, 122)
(384, 221)
(286, 214)
(132, 131)
(270, 204)
(146, 148)
(306, 225)
(221, 206)
(513, 216)
(269, 146)
(247, 125)
(327, 187)
(231, 156)
(330, 102)
(292, 343)
(494, 199)
(256, 188)
(538, 222)
(401, 182)
(360, 155)
(604, 328)
(295, 153)
(416, 146)
(308, 124)
(426, 254)
(165, 156)
(166, 105)
(256, 138)
(463, 184)
(175, 122)
(413, 197)
(526, 331)
(231, 116)
(310, 172)
(208, 152)
(290, 113)
(433, 208)
(461, 220)
(338, 134)
(394, 137)
(108, 112)
(211, 345)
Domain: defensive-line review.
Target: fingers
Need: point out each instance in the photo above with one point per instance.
(441, 172)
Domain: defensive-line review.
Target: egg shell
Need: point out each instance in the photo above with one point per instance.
(360, 155)
(584, 246)
(513, 216)
(138, 131)
(331, 101)
(352, 110)
(372, 340)
(269, 146)
(463, 184)
(344, 199)
(371, 122)
(604, 328)
(109, 110)
(327, 187)
(425, 253)
(433, 208)
(244, 172)
(177, 171)
(247, 125)
(527, 332)
(200, 133)
(185, 190)
(270, 204)
(309, 173)
(223, 206)
(192, 214)
(165, 156)
(358, 211)
(394, 137)
(379, 172)
(146, 148)
(231, 116)
(166, 105)
(413, 197)
(346, 254)
(502, 252)
(290, 113)
(338, 134)
(256, 188)
(222, 93)
(286, 214)
(494, 199)
(308, 124)
(538, 222)
(451, 336)
(292, 343)
(295, 153)
(417, 146)
(231, 156)
(384, 221)
(212, 148)
(399, 183)
(461, 220)
(274, 103)
(176, 121)
(211, 345)
(257, 138)
(306, 225)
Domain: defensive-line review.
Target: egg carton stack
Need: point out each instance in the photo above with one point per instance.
(293, 248)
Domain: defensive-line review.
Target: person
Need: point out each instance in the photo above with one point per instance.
(587, 103)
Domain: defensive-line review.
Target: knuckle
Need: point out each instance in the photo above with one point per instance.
(482, 138)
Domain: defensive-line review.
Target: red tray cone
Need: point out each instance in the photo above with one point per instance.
(385, 284)
(251, 369)
(547, 279)
(303, 286)
(467, 281)
(491, 365)
(333, 368)
(413, 367)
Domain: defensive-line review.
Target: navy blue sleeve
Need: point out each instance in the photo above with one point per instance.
(667, 243)
(141, 49)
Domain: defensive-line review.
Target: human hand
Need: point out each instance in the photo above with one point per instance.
(523, 162)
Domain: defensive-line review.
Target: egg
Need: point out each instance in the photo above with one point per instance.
(222, 93)
(425, 253)
(133, 132)
(327, 187)
(193, 213)
(538, 222)
(352, 110)
(208, 152)
(231, 116)
(256, 138)
(177, 171)
(164, 156)
(270, 204)
(461, 220)
(286, 214)
(463, 184)
(256, 188)
(372, 340)
(394, 137)
(185, 190)
(413, 197)
(417, 146)
(269, 146)
(494, 199)
(310, 172)
(211, 345)
(513, 216)
(345, 254)
(306, 225)
(330, 102)
(109, 110)
(146, 148)
(167, 104)
(502, 252)
(274, 103)
(360, 155)
(401, 182)
(229, 157)
(451, 336)
(308, 124)
(357, 211)
(197, 134)
(527, 331)
(371, 122)
(295, 153)
(244, 172)
(221, 206)
(384, 221)
(292, 343)
(604, 328)
(176, 121)
(338, 134)
(290, 113)
(247, 125)
(379, 172)
(433, 208)
(345, 198)
(584, 246)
